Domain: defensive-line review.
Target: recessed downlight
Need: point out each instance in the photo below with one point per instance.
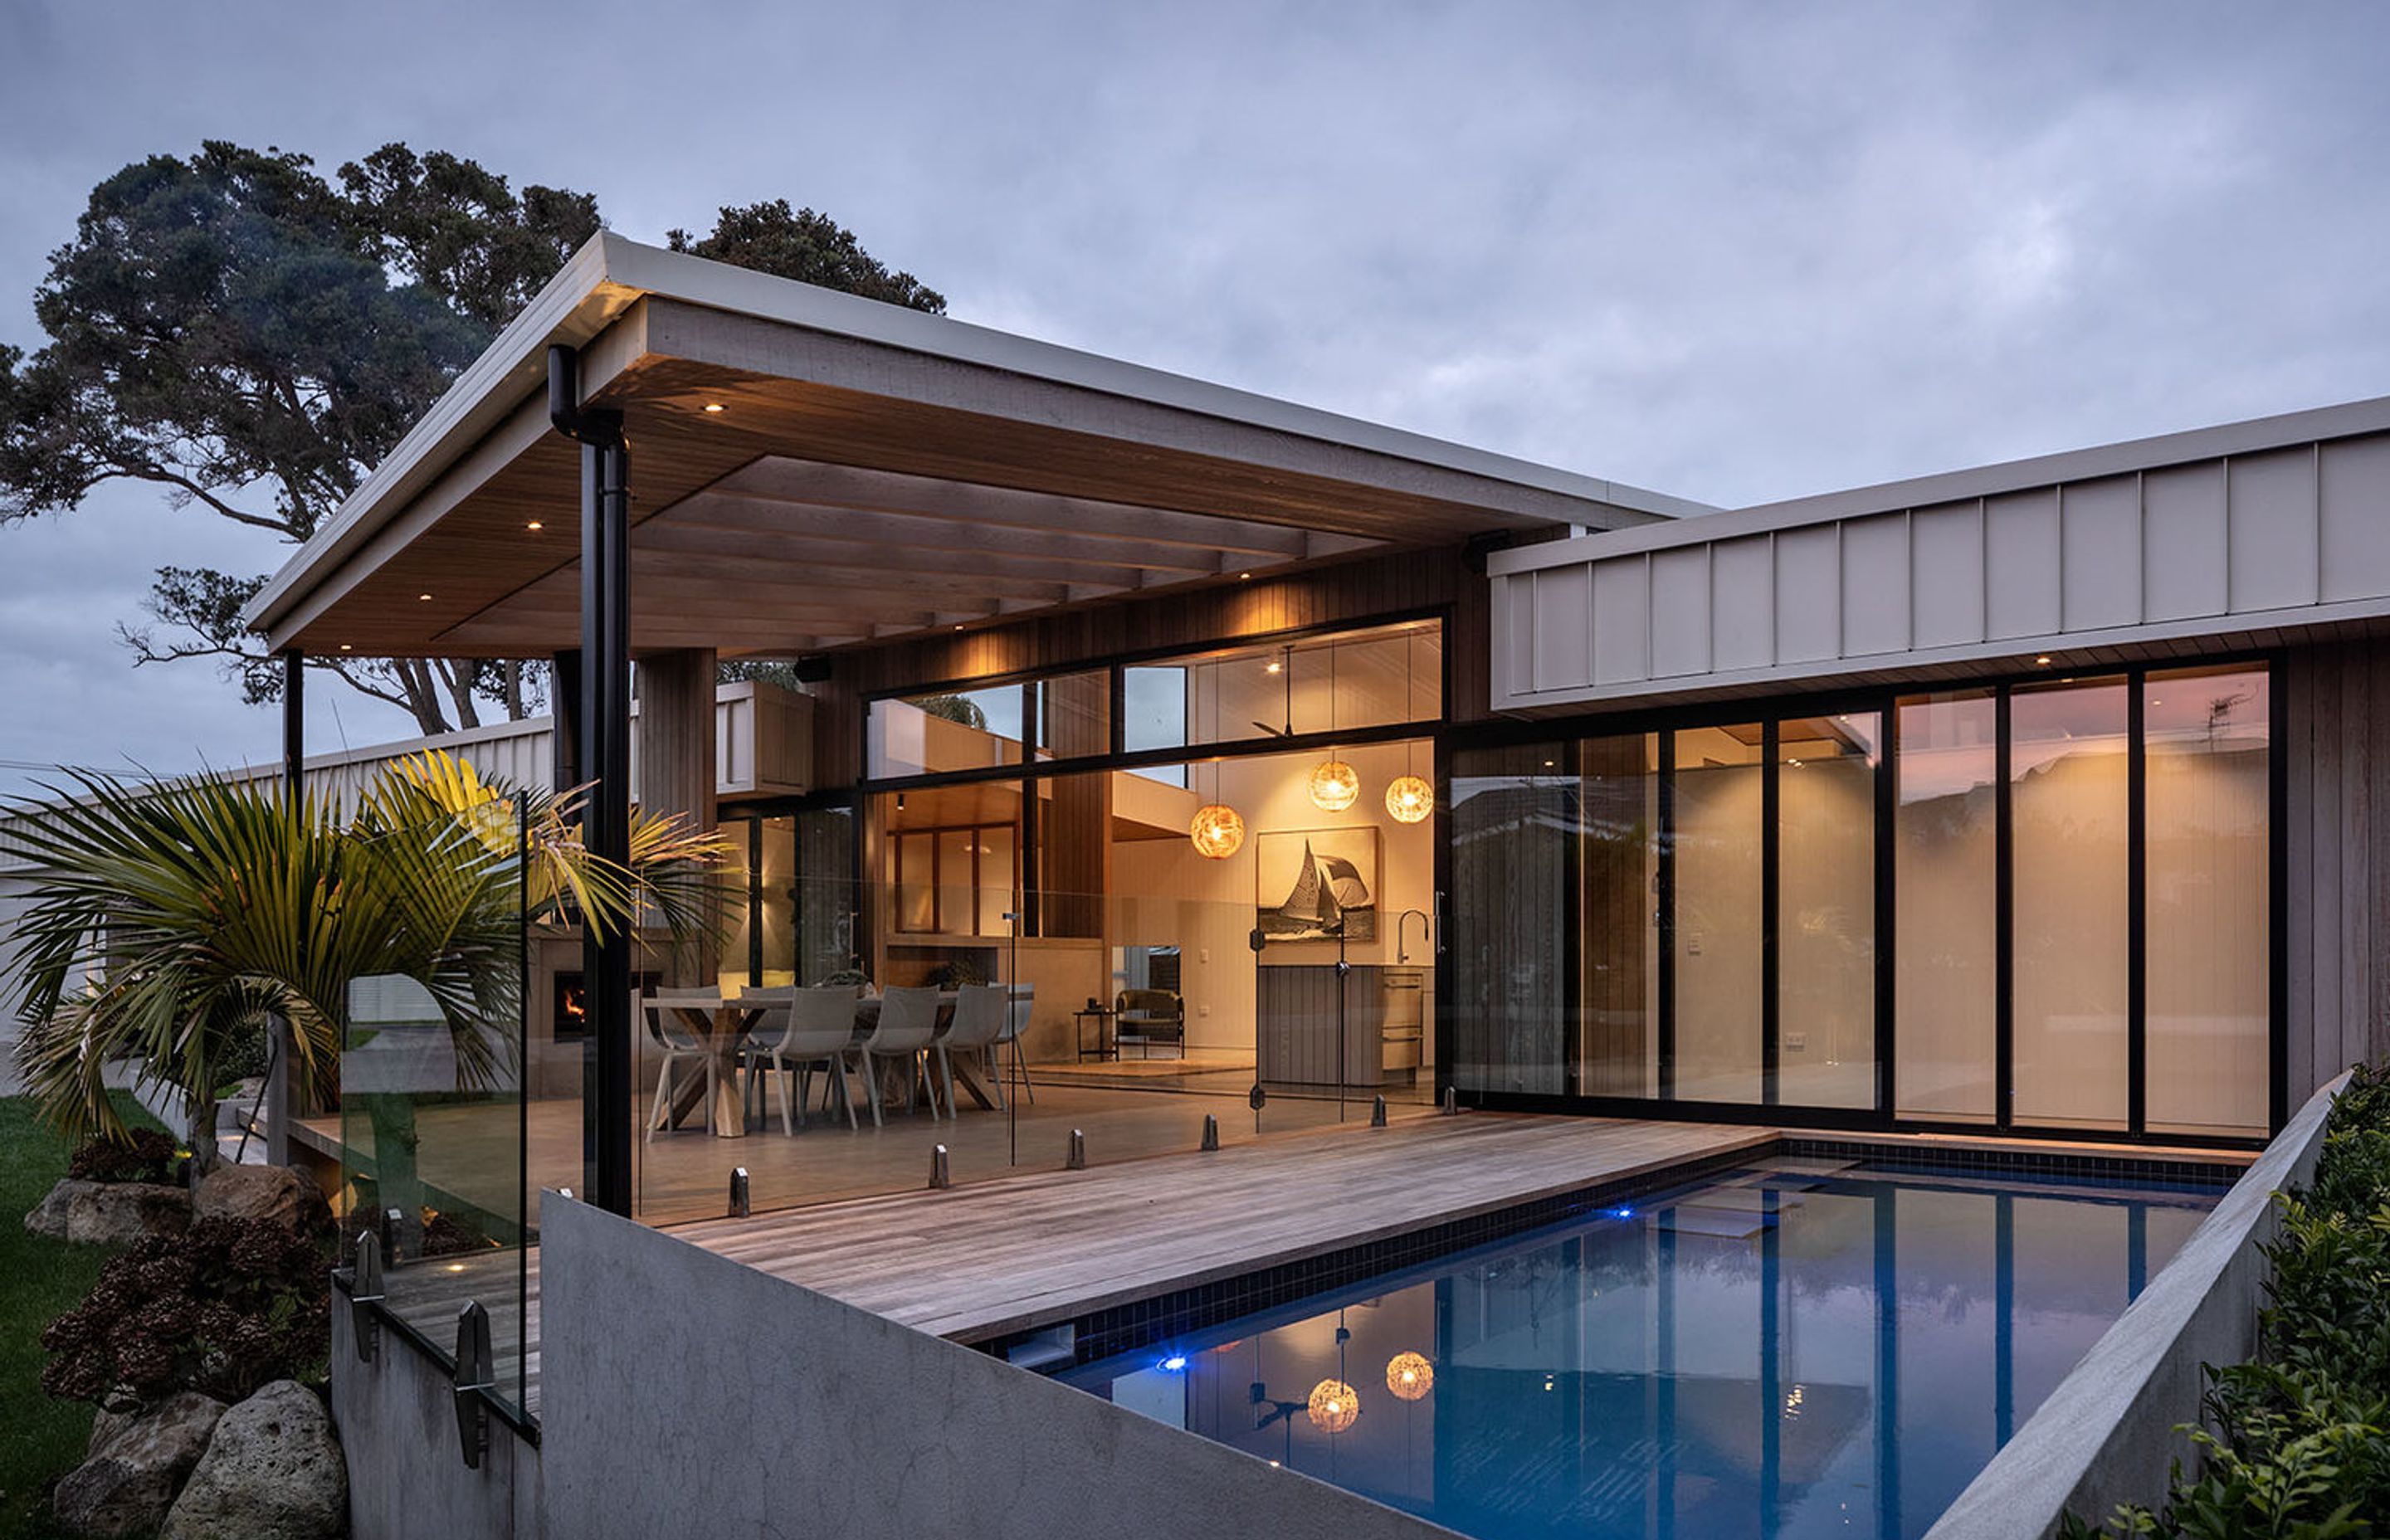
(422, 598)
(715, 407)
(345, 647)
(534, 524)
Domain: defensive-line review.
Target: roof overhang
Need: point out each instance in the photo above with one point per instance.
(811, 469)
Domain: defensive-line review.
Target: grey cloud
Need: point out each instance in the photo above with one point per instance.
(1733, 251)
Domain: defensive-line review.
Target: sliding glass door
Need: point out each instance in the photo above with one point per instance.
(2038, 906)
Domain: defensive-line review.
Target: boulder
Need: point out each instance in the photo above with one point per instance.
(259, 1192)
(272, 1471)
(137, 1463)
(110, 1214)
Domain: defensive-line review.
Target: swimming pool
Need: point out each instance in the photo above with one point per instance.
(1803, 1347)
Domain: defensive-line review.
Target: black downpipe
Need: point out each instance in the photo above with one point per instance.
(604, 760)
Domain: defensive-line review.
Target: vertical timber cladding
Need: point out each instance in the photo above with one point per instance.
(1327, 594)
(2335, 867)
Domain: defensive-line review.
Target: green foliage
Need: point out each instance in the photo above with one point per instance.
(164, 924)
(138, 1155)
(252, 337)
(225, 1308)
(2301, 1445)
(809, 247)
(953, 708)
(39, 1278)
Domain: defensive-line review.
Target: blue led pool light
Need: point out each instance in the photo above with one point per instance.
(1174, 1363)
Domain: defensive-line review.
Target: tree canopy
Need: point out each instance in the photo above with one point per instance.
(251, 338)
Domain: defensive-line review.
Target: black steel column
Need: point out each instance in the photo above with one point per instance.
(564, 714)
(605, 763)
(279, 1101)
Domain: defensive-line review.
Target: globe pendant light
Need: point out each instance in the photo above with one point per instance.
(1410, 1376)
(1334, 1406)
(1335, 785)
(1217, 830)
(1409, 798)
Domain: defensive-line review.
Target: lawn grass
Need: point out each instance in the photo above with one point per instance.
(40, 1439)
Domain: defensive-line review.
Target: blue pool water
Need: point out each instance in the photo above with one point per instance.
(1768, 1353)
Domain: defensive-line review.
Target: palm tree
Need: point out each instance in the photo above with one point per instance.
(168, 921)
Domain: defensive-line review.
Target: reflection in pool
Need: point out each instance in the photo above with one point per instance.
(1804, 1349)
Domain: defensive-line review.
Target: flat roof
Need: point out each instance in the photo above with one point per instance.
(932, 433)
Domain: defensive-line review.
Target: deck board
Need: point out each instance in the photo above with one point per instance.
(977, 1263)
(987, 1259)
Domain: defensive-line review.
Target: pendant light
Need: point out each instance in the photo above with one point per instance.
(1217, 830)
(1333, 1406)
(1410, 1376)
(1409, 798)
(1335, 785)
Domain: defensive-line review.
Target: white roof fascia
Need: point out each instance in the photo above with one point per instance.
(609, 273)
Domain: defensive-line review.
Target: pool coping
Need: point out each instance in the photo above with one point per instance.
(2106, 1435)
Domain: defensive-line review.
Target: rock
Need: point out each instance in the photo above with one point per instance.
(137, 1464)
(110, 1214)
(259, 1192)
(272, 1471)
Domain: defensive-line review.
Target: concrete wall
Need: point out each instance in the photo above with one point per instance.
(2107, 1435)
(407, 1478)
(687, 1394)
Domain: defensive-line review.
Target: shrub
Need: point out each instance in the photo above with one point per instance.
(226, 1307)
(2301, 1449)
(143, 1155)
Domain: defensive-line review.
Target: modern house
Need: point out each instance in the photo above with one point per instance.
(1277, 763)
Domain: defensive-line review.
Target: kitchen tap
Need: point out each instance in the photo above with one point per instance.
(1401, 956)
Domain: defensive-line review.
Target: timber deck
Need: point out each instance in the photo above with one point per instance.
(988, 1259)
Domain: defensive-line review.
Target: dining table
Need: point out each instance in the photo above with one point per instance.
(720, 1022)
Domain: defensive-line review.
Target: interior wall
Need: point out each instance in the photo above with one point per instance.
(1165, 894)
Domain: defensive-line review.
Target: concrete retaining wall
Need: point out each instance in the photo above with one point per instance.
(407, 1478)
(686, 1394)
(2107, 1435)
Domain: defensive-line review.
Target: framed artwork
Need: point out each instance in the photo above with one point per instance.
(1317, 884)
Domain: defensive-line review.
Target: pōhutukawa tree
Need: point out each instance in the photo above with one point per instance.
(251, 338)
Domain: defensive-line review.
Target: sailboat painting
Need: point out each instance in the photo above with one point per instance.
(1318, 884)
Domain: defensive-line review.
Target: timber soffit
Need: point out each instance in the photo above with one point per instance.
(609, 275)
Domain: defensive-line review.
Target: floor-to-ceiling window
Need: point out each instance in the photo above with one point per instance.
(1946, 888)
(2040, 904)
(2209, 761)
(2069, 808)
(1825, 957)
(1717, 838)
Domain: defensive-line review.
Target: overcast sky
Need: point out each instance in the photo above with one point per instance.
(1734, 252)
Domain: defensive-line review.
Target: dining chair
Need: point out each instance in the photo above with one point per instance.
(672, 1043)
(1016, 1022)
(981, 1012)
(908, 1025)
(816, 1028)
